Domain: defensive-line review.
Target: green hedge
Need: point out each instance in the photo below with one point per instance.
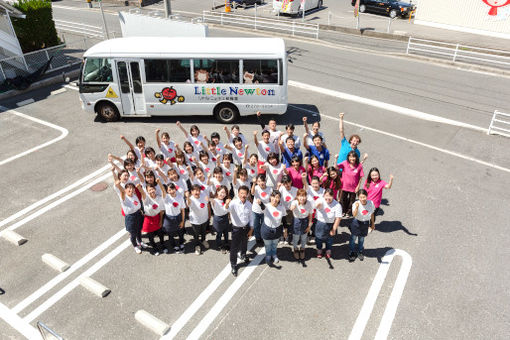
(37, 30)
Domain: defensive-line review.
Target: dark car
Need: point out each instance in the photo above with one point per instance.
(244, 3)
(392, 8)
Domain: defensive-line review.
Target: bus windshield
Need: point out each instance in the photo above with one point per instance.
(97, 70)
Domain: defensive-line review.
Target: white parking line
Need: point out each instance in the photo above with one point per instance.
(226, 297)
(18, 324)
(76, 282)
(52, 196)
(452, 153)
(201, 299)
(74, 267)
(54, 204)
(373, 293)
(56, 127)
(385, 106)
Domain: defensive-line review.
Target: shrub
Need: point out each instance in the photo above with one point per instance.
(37, 30)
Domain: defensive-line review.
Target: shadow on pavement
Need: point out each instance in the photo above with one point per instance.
(391, 226)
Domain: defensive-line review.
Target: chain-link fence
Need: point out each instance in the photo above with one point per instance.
(62, 56)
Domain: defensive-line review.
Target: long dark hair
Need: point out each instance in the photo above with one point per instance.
(353, 153)
(369, 177)
(329, 180)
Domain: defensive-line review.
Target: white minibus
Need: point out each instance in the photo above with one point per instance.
(295, 7)
(160, 76)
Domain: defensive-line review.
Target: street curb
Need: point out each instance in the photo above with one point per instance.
(57, 78)
(367, 33)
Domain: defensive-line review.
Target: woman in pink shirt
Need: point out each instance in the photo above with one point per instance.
(315, 169)
(352, 174)
(295, 172)
(375, 185)
(333, 182)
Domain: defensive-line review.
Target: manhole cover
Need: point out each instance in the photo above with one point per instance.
(101, 186)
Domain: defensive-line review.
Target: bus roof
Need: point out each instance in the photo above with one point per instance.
(188, 47)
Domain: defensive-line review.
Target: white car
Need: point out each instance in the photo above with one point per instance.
(295, 7)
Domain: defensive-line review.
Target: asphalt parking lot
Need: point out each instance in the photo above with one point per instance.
(446, 211)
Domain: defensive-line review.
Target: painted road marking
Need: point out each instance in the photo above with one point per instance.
(54, 204)
(18, 324)
(452, 153)
(202, 298)
(25, 102)
(385, 106)
(72, 87)
(56, 127)
(226, 297)
(61, 90)
(373, 293)
(52, 196)
(61, 277)
(76, 282)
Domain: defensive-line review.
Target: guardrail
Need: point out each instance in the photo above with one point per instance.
(500, 124)
(290, 27)
(457, 52)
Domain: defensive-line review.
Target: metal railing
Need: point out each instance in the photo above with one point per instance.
(500, 124)
(62, 56)
(261, 23)
(457, 52)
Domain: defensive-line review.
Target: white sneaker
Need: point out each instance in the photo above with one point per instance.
(138, 250)
(276, 260)
(156, 253)
(143, 245)
(197, 250)
(286, 243)
(205, 244)
(176, 248)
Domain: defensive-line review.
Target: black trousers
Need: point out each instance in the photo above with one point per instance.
(159, 233)
(199, 232)
(239, 243)
(347, 200)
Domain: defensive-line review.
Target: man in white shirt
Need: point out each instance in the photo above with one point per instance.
(240, 212)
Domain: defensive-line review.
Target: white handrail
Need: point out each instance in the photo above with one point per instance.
(493, 129)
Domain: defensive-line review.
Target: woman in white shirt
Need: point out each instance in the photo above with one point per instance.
(363, 213)
(302, 210)
(271, 229)
(133, 216)
(329, 215)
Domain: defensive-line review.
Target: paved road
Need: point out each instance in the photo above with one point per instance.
(446, 211)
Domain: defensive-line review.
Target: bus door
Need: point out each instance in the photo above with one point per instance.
(131, 89)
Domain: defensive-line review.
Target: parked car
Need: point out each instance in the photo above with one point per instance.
(393, 8)
(295, 7)
(244, 3)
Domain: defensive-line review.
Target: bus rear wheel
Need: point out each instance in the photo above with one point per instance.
(108, 112)
(226, 113)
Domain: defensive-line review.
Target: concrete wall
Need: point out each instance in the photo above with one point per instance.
(138, 25)
(473, 16)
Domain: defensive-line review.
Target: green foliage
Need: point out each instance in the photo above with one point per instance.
(37, 30)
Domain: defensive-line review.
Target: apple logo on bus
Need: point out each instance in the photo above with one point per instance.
(168, 94)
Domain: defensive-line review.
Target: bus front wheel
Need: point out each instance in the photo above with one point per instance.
(108, 112)
(226, 113)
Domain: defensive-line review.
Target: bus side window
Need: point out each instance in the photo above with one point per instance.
(97, 70)
(167, 70)
(260, 71)
(123, 77)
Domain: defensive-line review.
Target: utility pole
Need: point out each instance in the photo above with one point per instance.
(104, 20)
(168, 8)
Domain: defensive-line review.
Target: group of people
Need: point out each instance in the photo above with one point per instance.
(287, 191)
